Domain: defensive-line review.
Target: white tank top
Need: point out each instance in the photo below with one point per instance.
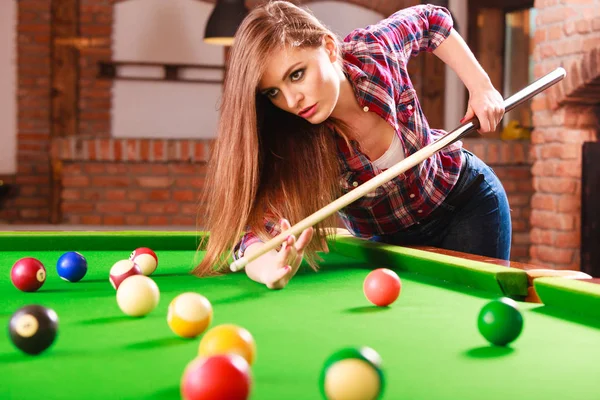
(393, 155)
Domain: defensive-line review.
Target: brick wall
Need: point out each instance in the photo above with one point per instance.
(568, 35)
(131, 181)
(511, 161)
(103, 180)
(157, 182)
(33, 118)
(140, 194)
(34, 48)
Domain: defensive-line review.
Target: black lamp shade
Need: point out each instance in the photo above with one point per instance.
(224, 21)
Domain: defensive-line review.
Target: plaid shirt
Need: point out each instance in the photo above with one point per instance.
(375, 62)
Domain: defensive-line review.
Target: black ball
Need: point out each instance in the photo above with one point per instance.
(33, 328)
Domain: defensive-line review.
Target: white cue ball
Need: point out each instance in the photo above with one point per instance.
(352, 379)
(138, 295)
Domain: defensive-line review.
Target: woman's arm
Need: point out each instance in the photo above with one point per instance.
(429, 28)
(485, 101)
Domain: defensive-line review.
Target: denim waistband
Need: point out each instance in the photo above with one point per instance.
(463, 190)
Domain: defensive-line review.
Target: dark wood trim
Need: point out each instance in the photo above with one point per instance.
(506, 5)
(496, 261)
(7, 191)
(171, 71)
(590, 212)
(156, 64)
(433, 89)
(533, 271)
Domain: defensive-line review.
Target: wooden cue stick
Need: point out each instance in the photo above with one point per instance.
(399, 168)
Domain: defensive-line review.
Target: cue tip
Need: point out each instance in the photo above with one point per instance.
(238, 264)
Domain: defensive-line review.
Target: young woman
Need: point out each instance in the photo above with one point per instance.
(306, 118)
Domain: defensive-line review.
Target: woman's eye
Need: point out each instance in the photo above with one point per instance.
(272, 93)
(297, 75)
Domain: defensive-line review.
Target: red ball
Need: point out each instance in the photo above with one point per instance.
(28, 274)
(146, 259)
(143, 250)
(382, 287)
(219, 377)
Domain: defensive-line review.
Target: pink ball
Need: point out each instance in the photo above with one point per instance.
(382, 287)
(219, 377)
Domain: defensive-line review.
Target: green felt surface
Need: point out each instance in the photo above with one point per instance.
(98, 240)
(428, 339)
(573, 296)
(491, 278)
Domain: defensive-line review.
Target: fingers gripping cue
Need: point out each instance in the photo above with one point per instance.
(513, 101)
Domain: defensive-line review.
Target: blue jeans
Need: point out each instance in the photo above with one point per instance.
(480, 226)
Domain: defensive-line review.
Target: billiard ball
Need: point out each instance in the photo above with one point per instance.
(500, 321)
(189, 314)
(71, 266)
(146, 258)
(382, 287)
(352, 374)
(219, 377)
(33, 328)
(122, 270)
(227, 339)
(138, 295)
(28, 274)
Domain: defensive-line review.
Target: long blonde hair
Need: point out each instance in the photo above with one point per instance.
(266, 162)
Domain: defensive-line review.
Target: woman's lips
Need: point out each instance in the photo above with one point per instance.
(308, 112)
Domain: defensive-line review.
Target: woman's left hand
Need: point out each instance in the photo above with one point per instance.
(488, 105)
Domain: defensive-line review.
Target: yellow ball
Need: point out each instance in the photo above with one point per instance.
(189, 314)
(226, 339)
(137, 295)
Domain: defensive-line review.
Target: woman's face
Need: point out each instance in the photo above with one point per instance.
(303, 81)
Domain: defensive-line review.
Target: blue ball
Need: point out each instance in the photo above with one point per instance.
(71, 266)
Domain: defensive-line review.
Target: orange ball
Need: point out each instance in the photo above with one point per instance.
(189, 314)
(228, 339)
(382, 287)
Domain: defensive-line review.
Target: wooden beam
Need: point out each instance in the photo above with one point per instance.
(517, 65)
(65, 68)
(65, 89)
(490, 46)
(433, 89)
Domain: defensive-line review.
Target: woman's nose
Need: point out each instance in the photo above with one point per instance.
(293, 99)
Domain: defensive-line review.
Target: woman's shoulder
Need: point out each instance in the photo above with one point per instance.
(386, 26)
(400, 25)
(368, 50)
(364, 37)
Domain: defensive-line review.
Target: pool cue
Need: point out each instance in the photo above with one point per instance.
(513, 101)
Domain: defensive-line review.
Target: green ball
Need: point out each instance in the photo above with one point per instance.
(366, 354)
(500, 321)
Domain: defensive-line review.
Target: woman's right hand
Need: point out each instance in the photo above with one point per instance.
(288, 259)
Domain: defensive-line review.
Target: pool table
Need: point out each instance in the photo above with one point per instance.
(428, 338)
